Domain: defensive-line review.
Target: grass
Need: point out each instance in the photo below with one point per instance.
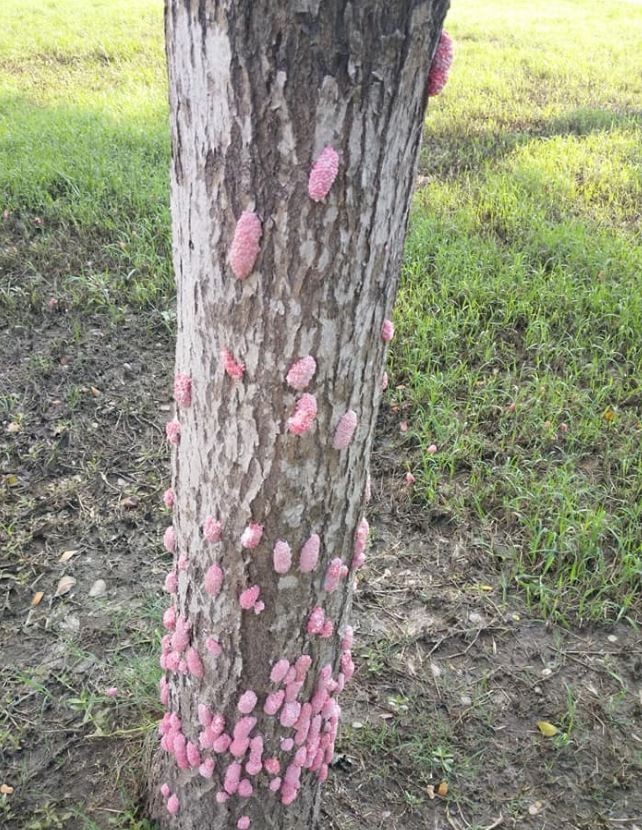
(520, 311)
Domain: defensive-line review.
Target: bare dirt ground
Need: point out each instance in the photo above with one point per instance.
(440, 723)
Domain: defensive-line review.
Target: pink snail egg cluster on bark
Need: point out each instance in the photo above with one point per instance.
(171, 582)
(309, 555)
(173, 805)
(360, 544)
(323, 173)
(305, 411)
(206, 769)
(169, 498)
(319, 624)
(173, 432)
(233, 368)
(335, 573)
(282, 557)
(387, 331)
(301, 373)
(183, 390)
(213, 646)
(247, 702)
(245, 789)
(194, 663)
(251, 536)
(169, 619)
(441, 63)
(249, 598)
(244, 823)
(279, 670)
(344, 431)
(384, 381)
(245, 244)
(212, 529)
(213, 581)
(169, 539)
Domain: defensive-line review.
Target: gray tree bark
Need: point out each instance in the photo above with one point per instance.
(258, 89)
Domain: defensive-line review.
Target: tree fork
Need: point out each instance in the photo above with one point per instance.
(295, 130)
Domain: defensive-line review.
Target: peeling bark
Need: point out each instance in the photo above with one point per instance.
(257, 91)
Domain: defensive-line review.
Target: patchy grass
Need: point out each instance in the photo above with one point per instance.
(84, 154)
(520, 312)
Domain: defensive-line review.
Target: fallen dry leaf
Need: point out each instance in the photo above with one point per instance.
(65, 584)
(430, 791)
(442, 789)
(14, 426)
(66, 555)
(95, 392)
(37, 598)
(547, 729)
(5, 789)
(130, 503)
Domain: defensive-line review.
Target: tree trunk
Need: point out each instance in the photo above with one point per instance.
(259, 91)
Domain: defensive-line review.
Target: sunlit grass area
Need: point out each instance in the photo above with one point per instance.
(520, 312)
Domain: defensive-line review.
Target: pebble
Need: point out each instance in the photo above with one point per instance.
(98, 588)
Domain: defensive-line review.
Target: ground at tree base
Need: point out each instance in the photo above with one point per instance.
(453, 672)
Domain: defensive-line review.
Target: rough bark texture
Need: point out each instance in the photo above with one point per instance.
(257, 90)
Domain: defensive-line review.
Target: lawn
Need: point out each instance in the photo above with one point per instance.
(519, 356)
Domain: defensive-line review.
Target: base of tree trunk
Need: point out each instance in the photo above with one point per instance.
(204, 814)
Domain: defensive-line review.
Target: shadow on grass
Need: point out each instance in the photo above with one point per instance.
(447, 154)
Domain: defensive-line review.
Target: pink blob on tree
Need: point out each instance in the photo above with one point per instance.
(273, 702)
(169, 539)
(194, 663)
(213, 581)
(247, 702)
(333, 575)
(441, 64)
(251, 536)
(169, 498)
(212, 529)
(233, 368)
(344, 431)
(323, 173)
(249, 597)
(206, 769)
(309, 555)
(316, 621)
(305, 412)
(169, 618)
(245, 244)
(173, 432)
(183, 390)
(387, 331)
(171, 582)
(282, 557)
(279, 670)
(301, 372)
(213, 646)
